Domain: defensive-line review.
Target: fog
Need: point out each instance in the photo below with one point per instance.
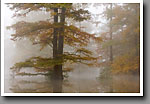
(81, 79)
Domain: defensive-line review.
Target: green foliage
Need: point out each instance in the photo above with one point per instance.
(47, 64)
(84, 51)
(31, 74)
(36, 62)
(79, 15)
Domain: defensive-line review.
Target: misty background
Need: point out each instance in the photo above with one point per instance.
(81, 79)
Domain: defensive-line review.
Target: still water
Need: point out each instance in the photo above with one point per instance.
(81, 80)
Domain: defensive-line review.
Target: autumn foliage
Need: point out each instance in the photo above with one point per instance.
(124, 22)
(50, 32)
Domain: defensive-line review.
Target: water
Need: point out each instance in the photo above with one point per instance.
(81, 80)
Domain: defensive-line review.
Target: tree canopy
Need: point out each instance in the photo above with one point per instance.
(42, 33)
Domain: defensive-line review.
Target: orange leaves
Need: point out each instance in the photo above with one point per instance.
(42, 33)
(123, 20)
(125, 64)
(39, 32)
(22, 9)
(25, 28)
(82, 56)
(74, 36)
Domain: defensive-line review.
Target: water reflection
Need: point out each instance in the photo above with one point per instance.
(126, 83)
(79, 81)
(31, 84)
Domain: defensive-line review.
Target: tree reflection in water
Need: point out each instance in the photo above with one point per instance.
(80, 84)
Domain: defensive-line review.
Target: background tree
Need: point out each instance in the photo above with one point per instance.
(125, 41)
(130, 30)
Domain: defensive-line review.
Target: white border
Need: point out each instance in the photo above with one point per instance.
(72, 94)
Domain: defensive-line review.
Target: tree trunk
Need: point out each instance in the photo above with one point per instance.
(58, 51)
(61, 39)
(55, 34)
(57, 85)
(111, 48)
(57, 81)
